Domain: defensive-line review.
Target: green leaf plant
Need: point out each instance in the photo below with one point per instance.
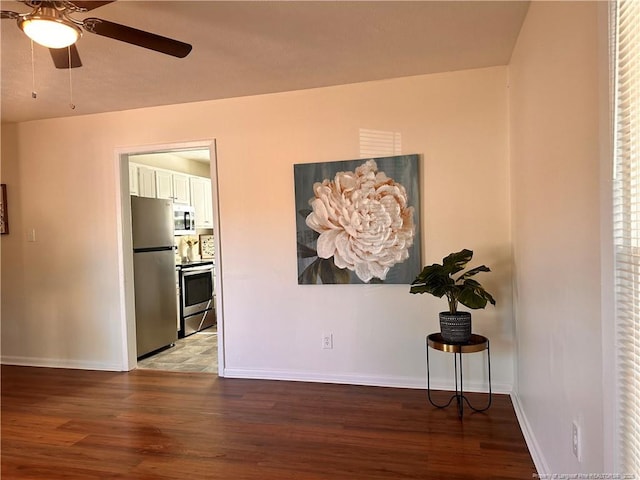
(438, 280)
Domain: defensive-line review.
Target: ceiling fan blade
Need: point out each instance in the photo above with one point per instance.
(91, 4)
(60, 57)
(137, 37)
(8, 14)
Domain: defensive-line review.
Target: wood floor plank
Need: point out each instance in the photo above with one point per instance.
(72, 424)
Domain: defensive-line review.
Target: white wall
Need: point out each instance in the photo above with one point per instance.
(556, 229)
(273, 327)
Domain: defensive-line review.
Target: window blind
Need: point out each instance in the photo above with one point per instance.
(626, 201)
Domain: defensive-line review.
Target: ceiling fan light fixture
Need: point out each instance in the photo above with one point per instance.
(49, 29)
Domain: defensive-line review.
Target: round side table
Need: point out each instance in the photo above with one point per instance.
(477, 343)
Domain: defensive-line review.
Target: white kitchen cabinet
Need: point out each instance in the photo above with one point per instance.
(181, 188)
(133, 179)
(164, 184)
(201, 201)
(146, 182)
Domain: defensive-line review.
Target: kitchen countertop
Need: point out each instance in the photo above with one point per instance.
(195, 263)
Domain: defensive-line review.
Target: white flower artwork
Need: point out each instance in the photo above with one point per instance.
(358, 224)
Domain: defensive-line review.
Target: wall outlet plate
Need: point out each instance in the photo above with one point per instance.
(327, 341)
(575, 440)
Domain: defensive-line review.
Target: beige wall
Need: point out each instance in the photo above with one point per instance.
(11, 258)
(556, 169)
(273, 327)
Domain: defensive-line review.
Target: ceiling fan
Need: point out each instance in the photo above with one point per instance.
(51, 25)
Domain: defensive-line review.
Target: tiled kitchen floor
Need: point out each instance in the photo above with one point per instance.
(195, 353)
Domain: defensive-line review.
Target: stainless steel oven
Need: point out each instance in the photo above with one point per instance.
(197, 300)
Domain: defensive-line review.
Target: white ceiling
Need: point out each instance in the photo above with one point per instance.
(194, 154)
(247, 48)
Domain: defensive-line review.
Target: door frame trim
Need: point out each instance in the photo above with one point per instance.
(125, 245)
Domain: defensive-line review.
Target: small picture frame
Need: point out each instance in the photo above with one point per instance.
(207, 246)
(4, 212)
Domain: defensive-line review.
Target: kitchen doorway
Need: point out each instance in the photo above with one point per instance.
(184, 176)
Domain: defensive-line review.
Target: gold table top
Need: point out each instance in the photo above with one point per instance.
(477, 343)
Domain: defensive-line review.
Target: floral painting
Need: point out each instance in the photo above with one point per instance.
(357, 221)
(4, 213)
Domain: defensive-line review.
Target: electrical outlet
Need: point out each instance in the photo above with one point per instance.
(575, 440)
(327, 341)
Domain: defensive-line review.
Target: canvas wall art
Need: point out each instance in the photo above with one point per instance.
(358, 221)
(4, 211)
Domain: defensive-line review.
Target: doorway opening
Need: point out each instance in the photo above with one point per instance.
(184, 177)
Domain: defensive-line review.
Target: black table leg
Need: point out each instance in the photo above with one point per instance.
(463, 397)
(459, 395)
(429, 388)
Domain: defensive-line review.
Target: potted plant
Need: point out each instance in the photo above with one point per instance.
(438, 280)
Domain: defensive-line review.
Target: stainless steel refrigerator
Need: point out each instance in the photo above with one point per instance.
(154, 273)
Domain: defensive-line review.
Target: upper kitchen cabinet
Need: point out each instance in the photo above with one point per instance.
(133, 179)
(146, 182)
(164, 184)
(181, 190)
(201, 201)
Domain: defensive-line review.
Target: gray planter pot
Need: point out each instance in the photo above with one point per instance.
(455, 327)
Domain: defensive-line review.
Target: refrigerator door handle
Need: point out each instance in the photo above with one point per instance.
(153, 249)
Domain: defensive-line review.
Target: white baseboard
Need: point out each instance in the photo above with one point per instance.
(59, 363)
(318, 377)
(296, 376)
(529, 437)
(355, 379)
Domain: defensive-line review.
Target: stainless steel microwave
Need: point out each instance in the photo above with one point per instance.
(184, 219)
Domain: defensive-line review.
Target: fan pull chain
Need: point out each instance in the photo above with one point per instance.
(71, 104)
(34, 94)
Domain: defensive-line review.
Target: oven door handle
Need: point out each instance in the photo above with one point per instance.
(194, 270)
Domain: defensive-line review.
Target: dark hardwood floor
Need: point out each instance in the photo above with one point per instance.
(150, 425)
